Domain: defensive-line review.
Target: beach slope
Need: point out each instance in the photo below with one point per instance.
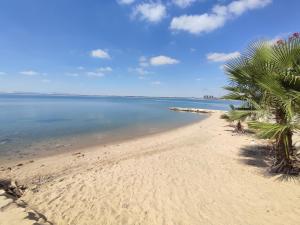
(199, 174)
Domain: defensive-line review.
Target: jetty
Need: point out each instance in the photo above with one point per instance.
(193, 110)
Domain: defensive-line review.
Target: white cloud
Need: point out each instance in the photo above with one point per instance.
(2, 73)
(222, 57)
(105, 69)
(151, 12)
(197, 24)
(80, 68)
(183, 3)
(207, 22)
(154, 61)
(125, 2)
(156, 83)
(162, 60)
(142, 71)
(99, 53)
(29, 73)
(241, 6)
(95, 74)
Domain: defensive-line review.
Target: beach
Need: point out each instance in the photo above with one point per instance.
(201, 173)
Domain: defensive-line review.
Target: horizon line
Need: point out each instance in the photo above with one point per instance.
(99, 95)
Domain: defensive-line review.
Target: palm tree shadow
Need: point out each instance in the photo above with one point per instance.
(287, 178)
(260, 156)
(255, 155)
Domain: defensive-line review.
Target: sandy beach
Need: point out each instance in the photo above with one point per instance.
(199, 174)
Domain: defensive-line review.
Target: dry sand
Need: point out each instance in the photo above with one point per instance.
(198, 174)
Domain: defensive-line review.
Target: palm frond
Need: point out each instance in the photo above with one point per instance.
(267, 130)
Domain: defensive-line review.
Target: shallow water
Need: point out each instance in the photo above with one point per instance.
(34, 125)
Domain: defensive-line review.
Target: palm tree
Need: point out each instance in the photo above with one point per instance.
(267, 79)
(239, 114)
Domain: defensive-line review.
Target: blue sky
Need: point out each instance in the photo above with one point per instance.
(132, 47)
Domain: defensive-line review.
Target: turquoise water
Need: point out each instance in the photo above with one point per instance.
(33, 125)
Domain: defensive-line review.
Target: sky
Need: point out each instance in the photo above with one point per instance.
(132, 47)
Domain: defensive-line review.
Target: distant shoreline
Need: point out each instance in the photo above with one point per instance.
(104, 95)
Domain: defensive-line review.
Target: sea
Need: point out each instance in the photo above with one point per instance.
(33, 125)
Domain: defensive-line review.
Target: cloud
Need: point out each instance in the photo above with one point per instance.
(99, 53)
(197, 24)
(105, 69)
(80, 68)
(46, 81)
(125, 2)
(162, 60)
(222, 57)
(95, 74)
(29, 73)
(2, 73)
(156, 83)
(144, 64)
(72, 74)
(183, 3)
(142, 71)
(151, 12)
(207, 22)
(241, 6)
(143, 61)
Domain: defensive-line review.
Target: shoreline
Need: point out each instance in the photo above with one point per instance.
(65, 148)
(184, 176)
(101, 147)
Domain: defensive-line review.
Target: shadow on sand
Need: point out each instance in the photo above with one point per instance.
(260, 156)
(32, 215)
(255, 155)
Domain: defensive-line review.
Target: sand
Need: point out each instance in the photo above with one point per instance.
(199, 174)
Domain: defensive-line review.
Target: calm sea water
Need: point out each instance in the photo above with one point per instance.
(33, 125)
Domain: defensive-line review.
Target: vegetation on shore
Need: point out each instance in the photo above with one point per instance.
(266, 77)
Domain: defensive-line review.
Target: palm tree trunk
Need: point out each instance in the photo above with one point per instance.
(283, 147)
(290, 142)
(239, 127)
(282, 151)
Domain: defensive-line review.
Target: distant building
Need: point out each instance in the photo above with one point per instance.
(209, 97)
